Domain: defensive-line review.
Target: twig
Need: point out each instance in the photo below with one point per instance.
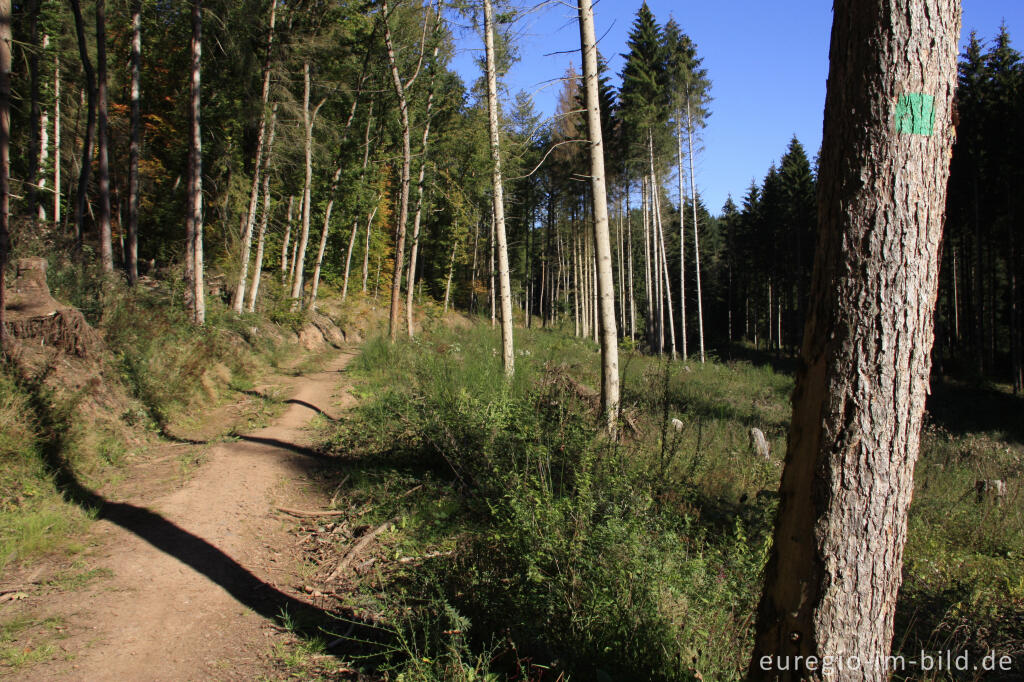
(302, 512)
(359, 547)
(337, 490)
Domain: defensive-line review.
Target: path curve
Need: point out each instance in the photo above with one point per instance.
(191, 596)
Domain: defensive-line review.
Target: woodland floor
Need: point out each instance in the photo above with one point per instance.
(191, 583)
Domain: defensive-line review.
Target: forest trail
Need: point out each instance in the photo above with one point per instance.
(193, 589)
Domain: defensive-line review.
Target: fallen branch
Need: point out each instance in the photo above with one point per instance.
(303, 512)
(363, 543)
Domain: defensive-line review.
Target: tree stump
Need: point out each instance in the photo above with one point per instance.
(760, 444)
(34, 316)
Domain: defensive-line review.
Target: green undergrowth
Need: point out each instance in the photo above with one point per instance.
(536, 548)
(550, 550)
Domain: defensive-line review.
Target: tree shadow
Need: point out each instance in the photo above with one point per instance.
(300, 617)
(290, 401)
(963, 408)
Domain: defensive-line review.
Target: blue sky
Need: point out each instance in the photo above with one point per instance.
(768, 63)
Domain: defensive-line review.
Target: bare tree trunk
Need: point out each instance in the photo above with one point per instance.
(81, 201)
(835, 564)
(682, 241)
(250, 217)
(508, 353)
(668, 280)
(403, 212)
(285, 274)
(602, 240)
(411, 279)
(135, 145)
(258, 263)
(194, 217)
(44, 136)
(5, 161)
(696, 240)
(56, 140)
(649, 327)
(366, 248)
(629, 242)
(103, 139)
(451, 270)
(490, 288)
(308, 118)
(323, 238)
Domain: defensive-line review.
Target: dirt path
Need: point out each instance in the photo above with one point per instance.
(193, 592)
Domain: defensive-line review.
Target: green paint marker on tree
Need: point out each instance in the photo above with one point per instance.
(915, 114)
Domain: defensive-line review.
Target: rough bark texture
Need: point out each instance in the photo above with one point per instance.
(602, 240)
(505, 287)
(834, 571)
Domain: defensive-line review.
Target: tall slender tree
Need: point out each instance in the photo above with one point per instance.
(5, 160)
(135, 145)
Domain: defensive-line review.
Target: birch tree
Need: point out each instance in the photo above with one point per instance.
(135, 144)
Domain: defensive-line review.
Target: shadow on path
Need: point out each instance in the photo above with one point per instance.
(305, 619)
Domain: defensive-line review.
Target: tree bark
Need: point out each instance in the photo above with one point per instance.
(602, 239)
(134, 145)
(508, 353)
(834, 570)
(44, 136)
(258, 262)
(696, 240)
(194, 217)
(682, 240)
(308, 118)
(250, 216)
(284, 243)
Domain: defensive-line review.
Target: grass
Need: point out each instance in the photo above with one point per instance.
(25, 640)
(556, 552)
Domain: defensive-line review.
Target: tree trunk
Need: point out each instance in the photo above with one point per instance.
(194, 217)
(56, 139)
(254, 192)
(629, 242)
(44, 136)
(834, 569)
(667, 281)
(602, 239)
(696, 240)
(103, 139)
(258, 263)
(403, 211)
(451, 270)
(508, 353)
(308, 118)
(134, 145)
(323, 238)
(413, 252)
(284, 243)
(82, 200)
(682, 239)
(5, 161)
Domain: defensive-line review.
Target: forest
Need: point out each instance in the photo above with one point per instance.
(524, 407)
